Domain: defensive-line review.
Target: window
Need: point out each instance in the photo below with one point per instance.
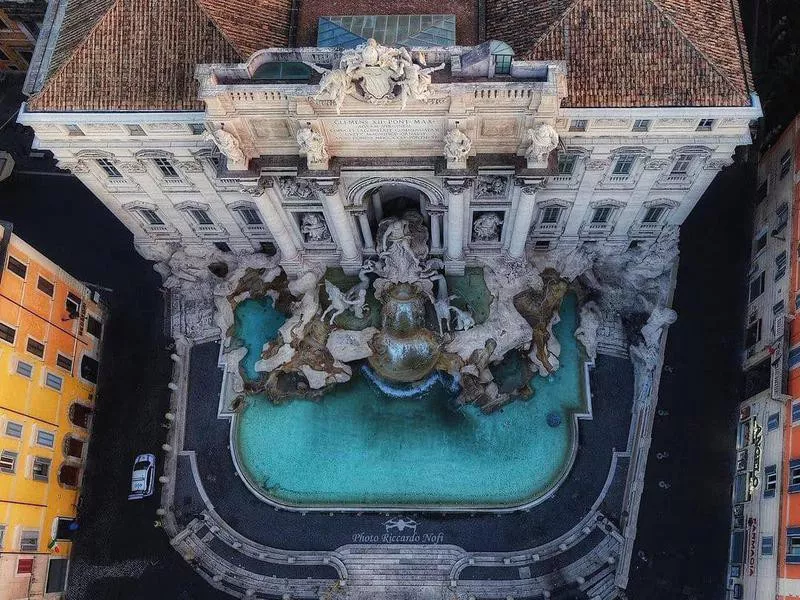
(782, 215)
(566, 163)
(200, 216)
(94, 327)
(770, 481)
(761, 193)
(795, 412)
(69, 475)
(250, 216)
(681, 166)
(166, 168)
(753, 334)
(79, 415)
(578, 124)
(29, 540)
(56, 575)
(624, 164)
(756, 286)
(778, 307)
(45, 286)
(541, 245)
(8, 461)
(135, 130)
(17, 267)
(551, 214)
(766, 545)
(602, 214)
(74, 130)
(502, 64)
(45, 438)
(705, 125)
(108, 167)
(780, 265)
(641, 125)
(65, 362)
(72, 305)
(41, 468)
(761, 243)
(24, 369)
(24, 565)
(786, 163)
(2, 535)
(7, 333)
(653, 214)
(54, 382)
(794, 476)
(35, 348)
(73, 447)
(793, 545)
(222, 246)
(14, 430)
(89, 368)
(197, 128)
(150, 216)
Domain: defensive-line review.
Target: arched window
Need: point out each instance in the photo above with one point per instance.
(69, 475)
(79, 415)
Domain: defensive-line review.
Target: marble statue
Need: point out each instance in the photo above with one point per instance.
(313, 145)
(441, 303)
(373, 73)
(490, 186)
(456, 146)
(358, 293)
(339, 302)
(416, 80)
(464, 319)
(542, 140)
(313, 227)
(228, 144)
(487, 228)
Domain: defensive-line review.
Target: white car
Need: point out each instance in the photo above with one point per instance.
(142, 480)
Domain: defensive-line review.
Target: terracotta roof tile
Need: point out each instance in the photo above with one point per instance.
(629, 53)
(251, 25)
(140, 56)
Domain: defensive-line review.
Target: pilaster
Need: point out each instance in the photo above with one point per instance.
(330, 193)
(524, 216)
(456, 189)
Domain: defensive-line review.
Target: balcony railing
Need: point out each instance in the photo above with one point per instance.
(259, 230)
(208, 230)
(620, 178)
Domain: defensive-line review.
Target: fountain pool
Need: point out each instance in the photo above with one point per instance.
(362, 447)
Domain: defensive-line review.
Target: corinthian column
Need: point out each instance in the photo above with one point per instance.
(522, 219)
(329, 192)
(269, 205)
(454, 257)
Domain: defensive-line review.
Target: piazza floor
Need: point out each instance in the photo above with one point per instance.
(566, 544)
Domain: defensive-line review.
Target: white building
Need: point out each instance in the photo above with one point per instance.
(642, 133)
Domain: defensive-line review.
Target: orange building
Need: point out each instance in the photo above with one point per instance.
(51, 329)
(789, 538)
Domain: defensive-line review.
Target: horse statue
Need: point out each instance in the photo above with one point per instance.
(442, 303)
(464, 319)
(339, 302)
(358, 292)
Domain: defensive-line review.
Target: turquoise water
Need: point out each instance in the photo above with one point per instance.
(359, 446)
(256, 321)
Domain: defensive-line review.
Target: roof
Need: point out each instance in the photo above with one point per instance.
(389, 30)
(631, 53)
(140, 54)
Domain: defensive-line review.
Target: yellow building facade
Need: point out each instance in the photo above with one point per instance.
(51, 327)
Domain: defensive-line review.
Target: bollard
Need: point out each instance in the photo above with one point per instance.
(249, 593)
(580, 580)
(175, 358)
(161, 512)
(562, 547)
(169, 416)
(166, 447)
(163, 479)
(545, 594)
(611, 560)
(173, 386)
(217, 577)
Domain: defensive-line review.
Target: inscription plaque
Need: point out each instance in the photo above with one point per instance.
(380, 131)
